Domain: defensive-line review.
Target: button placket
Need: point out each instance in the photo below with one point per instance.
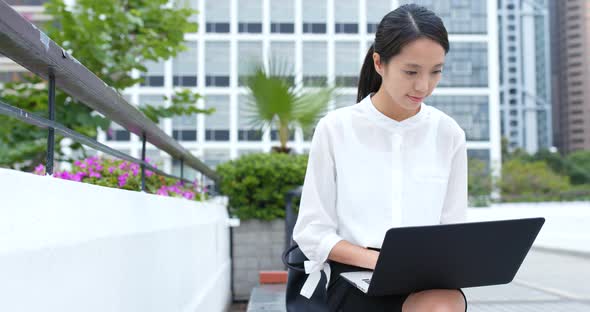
(396, 165)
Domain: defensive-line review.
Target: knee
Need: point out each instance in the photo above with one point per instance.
(435, 301)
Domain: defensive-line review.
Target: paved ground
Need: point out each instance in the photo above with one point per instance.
(548, 280)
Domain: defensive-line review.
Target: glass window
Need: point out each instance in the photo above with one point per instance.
(282, 16)
(376, 9)
(217, 124)
(470, 112)
(462, 17)
(346, 16)
(246, 131)
(250, 16)
(282, 55)
(217, 15)
(184, 67)
(187, 172)
(184, 128)
(153, 157)
(314, 16)
(213, 157)
(217, 64)
(347, 65)
(154, 77)
(466, 65)
(250, 53)
(315, 64)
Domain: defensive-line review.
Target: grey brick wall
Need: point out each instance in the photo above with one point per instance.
(257, 246)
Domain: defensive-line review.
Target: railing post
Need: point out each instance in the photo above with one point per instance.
(182, 169)
(50, 130)
(142, 165)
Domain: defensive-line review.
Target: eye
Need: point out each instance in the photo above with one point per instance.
(411, 73)
(437, 72)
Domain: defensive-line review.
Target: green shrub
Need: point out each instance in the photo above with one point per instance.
(480, 183)
(256, 184)
(531, 181)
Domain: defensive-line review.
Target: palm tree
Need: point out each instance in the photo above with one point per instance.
(274, 99)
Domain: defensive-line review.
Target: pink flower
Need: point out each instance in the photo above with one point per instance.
(162, 191)
(111, 169)
(188, 195)
(123, 179)
(148, 173)
(40, 169)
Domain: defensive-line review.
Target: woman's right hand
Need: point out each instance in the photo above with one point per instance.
(351, 254)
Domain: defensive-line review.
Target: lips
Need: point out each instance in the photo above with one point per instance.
(416, 99)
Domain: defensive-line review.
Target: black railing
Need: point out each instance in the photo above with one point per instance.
(28, 46)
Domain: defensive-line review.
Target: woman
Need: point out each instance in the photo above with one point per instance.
(388, 161)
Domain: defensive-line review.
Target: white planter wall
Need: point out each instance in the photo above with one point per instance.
(68, 246)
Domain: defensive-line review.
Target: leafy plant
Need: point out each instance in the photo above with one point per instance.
(112, 38)
(125, 175)
(256, 184)
(274, 99)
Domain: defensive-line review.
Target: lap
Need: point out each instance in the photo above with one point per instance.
(343, 296)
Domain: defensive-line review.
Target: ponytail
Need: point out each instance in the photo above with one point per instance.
(369, 80)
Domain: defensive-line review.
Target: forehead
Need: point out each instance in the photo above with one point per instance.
(422, 52)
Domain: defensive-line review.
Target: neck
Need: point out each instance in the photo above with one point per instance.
(383, 103)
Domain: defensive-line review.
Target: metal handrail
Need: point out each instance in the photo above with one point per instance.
(24, 43)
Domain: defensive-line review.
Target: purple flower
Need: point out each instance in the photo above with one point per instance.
(77, 163)
(162, 191)
(188, 195)
(95, 175)
(123, 179)
(111, 169)
(148, 173)
(40, 169)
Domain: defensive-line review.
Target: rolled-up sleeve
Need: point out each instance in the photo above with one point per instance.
(455, 205)
(316, 228)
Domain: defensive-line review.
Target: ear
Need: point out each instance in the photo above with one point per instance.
(377, 63)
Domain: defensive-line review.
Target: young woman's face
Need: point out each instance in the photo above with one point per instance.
(412, 75)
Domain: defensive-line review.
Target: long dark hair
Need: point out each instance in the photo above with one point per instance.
(398, 28)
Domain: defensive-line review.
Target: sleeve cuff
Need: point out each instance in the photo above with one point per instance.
(326, 245)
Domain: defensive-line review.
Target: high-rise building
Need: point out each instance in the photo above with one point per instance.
(570, 75)
(325, 42)
(525, 97)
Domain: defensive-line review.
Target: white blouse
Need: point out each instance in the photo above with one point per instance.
(368, 173)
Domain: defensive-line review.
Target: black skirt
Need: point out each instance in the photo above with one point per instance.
(343, 296)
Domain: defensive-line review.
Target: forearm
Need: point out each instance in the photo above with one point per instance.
(348, 253)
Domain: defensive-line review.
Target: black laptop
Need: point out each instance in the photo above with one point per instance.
(448, 256)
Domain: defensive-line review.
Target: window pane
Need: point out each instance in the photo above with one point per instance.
(376, 9)
(250, 16)
(246, 131)
(217, 124)
(282, 11)
(213, 157)
(217, 11)
(184, 67)
(315, 65)
(347, 65)
(154, 77)
(471, 112)
(314, 11)
(283, 54)
(346, 16)
(466, 65)
(250, 54)
(466, 17)
(217, 63)
(343, 100)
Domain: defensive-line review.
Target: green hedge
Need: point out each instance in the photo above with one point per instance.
(256, 184)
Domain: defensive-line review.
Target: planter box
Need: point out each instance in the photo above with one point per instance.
(258, 246)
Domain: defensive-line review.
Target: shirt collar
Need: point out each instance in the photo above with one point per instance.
(393, 124)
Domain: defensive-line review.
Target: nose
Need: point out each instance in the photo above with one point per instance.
(421, 85)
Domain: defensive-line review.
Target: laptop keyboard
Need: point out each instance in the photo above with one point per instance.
(367, 280)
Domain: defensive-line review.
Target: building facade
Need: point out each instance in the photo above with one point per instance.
(525, 71)
(325, 42)
(570, 75)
